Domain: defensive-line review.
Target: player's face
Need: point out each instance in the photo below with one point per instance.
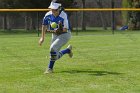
(55, 12)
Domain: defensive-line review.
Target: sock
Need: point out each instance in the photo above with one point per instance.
(51, 64)
(65, 51)
(53, 58)
(62, 52)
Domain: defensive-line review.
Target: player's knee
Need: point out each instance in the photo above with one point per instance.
(52, 49)
(53, 54)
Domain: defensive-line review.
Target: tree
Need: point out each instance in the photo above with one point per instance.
(6, 16)
(134, 16)
(29, 16)
(125, 13)
(101, 14)
(84, 16)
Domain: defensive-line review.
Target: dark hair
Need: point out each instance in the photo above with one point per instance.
(61, 8)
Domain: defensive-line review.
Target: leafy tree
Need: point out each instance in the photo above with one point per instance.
(125, 13)
(30, 4)
(134, 16)
(84, 16)
(101, 14)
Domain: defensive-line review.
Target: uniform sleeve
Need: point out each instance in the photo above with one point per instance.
(46, 18)
(66, 24)
(45, 21)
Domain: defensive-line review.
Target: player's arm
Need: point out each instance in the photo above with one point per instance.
(57, 30)
(44, 28)
(66, 24)
(51, 31)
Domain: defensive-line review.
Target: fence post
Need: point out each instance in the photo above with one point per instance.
(76, 23)
(113, 17)
(38, 23)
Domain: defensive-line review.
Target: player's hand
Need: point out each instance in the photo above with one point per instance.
(41, 41)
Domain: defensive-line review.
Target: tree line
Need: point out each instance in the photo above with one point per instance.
(29, 19)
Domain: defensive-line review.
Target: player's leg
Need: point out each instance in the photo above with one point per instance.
(68, 51)
(64, 39)
(56, 45)
(53, 56)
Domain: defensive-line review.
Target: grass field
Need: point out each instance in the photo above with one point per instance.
(102, 63)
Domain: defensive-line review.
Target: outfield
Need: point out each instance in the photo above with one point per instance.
(102, 63)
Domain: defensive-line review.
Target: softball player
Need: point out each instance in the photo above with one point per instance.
(58, 40)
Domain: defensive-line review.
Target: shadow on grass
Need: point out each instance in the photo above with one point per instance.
(95, 73)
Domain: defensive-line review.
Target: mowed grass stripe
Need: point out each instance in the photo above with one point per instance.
(101, 64)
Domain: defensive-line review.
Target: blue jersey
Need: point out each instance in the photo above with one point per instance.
(49, 18)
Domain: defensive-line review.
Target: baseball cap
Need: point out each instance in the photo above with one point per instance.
(54, 5)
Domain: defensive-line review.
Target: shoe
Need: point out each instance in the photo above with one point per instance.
(71, 53)
(48, 71)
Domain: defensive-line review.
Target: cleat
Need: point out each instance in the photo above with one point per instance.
(71, 53)
(48, 71)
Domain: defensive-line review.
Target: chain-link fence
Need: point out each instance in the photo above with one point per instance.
(80, 20)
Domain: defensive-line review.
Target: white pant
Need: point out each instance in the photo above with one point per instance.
(59, 40)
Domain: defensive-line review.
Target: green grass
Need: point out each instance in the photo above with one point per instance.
(102, 63)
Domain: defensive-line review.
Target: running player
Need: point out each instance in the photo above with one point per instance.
(56, 14)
